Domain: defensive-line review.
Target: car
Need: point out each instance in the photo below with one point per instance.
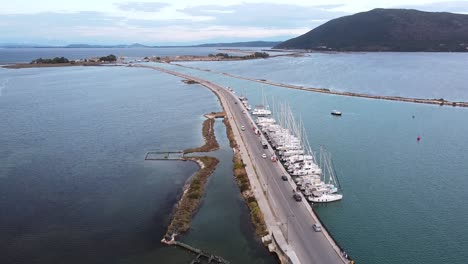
(297, 197)
(242, 128)
(317, 227)
(244, 112)
(235, 102)
(264, 155)
(284, 178)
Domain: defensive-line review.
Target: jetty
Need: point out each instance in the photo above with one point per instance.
(200, 254)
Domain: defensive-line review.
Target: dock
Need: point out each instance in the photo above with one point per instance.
(200, 254)
(164, 155)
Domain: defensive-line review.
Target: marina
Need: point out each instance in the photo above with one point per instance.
(315, 178)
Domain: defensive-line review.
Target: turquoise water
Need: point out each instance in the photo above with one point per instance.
(420, 75)
(404, 200)
(74, 186)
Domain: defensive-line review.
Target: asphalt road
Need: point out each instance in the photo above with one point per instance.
(293, 217)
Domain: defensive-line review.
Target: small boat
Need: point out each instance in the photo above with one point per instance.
(336, 113)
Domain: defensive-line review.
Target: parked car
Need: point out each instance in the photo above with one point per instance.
(297, 197)
(317, 227)
(284, 178)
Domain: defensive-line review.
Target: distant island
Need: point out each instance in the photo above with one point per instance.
(265, 44)
(63, 62)
(387, 30)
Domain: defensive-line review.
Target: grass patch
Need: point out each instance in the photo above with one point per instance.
(240, 174)
(190, 201)
(210, 138)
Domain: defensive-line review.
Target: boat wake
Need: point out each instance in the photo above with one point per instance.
(3, 85)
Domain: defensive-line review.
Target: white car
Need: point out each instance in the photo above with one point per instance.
(264, 155)
(242, 128)
(317, 227)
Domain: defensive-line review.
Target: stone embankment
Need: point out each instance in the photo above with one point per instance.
(439, 101)
(193, 192)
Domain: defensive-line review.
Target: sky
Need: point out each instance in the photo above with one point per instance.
(181, 22)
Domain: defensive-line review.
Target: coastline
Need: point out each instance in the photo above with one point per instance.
(240, 174)
(195, 188)
(52, 65)
(191, 197)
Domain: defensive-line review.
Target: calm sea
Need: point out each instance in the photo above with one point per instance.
(420, 75)
(74, 186)
(404, 200)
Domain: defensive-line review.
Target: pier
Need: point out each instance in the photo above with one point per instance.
(200, 254)
(164, 155)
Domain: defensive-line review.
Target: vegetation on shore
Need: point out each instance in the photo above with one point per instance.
(243, 182)
(108, 58)
(50, 61)
(193, 193)
(254, 55)
(191, 198)
(189, 81)
(209, 136)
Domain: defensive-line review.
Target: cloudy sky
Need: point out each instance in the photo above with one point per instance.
(179, 22)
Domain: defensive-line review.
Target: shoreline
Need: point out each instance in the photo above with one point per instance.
(245, 187)
(209, 137)
(52, 65)
(191, 196)
(440, 101)
(194, 189)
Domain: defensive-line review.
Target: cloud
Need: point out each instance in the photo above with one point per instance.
(452, 6)
(141, 6)
(47, 20)
(240, 22)
(265, 15)
(100, 28)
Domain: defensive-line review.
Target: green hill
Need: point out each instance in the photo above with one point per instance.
(387, 30)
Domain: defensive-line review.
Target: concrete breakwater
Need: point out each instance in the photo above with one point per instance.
(434, 101)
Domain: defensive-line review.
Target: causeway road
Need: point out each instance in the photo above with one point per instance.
(294, 219)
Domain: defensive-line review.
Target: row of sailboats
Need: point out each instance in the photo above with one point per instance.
(316, 179)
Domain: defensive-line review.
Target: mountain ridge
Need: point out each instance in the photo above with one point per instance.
(138, 45)
(387, 30)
